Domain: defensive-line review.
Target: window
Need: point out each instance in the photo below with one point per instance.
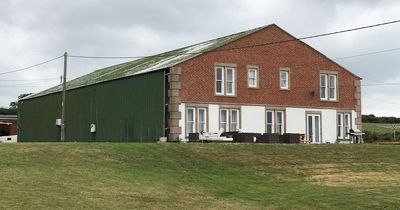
(284, 79)
(343, 125)
(252, 78)
(223, 119)
(340, 126)
(225, 81)
(275, 122)
(332, 87)
(328, 87)
(190, 120)
(202, 120)
(229, 119)
(279, 122)
(219, 81)
(346, 125)
(234, 120)
(323, 90)
(196, 120)
(270, 121)
(230, 81)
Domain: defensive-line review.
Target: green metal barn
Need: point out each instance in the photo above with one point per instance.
(127, 109)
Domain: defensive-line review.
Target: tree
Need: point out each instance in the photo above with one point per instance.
(14, 104)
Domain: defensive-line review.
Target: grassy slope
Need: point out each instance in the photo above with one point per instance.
(189, 176)
(380, 128)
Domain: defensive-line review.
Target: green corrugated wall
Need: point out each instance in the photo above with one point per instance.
(124, 110)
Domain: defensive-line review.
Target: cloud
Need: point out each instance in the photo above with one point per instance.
(33, 31)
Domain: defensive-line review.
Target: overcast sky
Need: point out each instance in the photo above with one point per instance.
(34, 31)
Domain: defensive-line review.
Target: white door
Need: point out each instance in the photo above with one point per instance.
(314, 128)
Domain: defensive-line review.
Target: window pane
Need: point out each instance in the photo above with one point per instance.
(219, 86)
(229, 74)
(283, 75)
(284, 79)
(224, 119)
(229, 87)
(219, 73)
(332, 86)
(190, 115)
(317, 129)
(279, 117)
(323, 86)
(269, 117)
(269, 128)
(189, 121)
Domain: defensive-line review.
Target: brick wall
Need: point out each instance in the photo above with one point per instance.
(13, 127)
(305, 63)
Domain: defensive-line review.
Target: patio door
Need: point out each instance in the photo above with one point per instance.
(314, 128)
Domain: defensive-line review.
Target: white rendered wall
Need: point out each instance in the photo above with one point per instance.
(296, 122)
(253, 119)
(213, 115)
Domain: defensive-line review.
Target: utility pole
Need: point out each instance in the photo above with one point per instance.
(64, 89)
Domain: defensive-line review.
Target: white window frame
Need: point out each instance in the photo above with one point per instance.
(226, 121)
(340, 126)
(282, 124)
(187, 122)
(344, 126)
(198, 119)
(272, 123)
(229, 119)
(222, 80)
(255, 85)
(281, 79)
(196, 122)
(328, 94)
(233, 81)
(325, 90)
(332, 97)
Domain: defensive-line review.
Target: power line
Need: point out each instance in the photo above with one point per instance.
(29, 67)
(28, 80)
(369, 53)
(166, 54)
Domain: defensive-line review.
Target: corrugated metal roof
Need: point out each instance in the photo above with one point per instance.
(147, 64)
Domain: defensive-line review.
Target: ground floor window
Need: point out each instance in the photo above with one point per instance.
(229, 119)
(196, 120)
(343, 125)
(275, 121)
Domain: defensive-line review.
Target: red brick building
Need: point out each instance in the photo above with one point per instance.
(266, 81)
(8, 125)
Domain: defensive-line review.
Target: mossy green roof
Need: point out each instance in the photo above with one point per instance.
(147, 64)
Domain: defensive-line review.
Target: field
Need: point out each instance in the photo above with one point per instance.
(381, 128)
(198, 176)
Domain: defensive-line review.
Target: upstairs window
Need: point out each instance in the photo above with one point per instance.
(284, 79)
(328, 87)
(225, 81)
(252, 75)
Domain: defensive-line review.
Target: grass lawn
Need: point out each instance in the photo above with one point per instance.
(198, 176)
